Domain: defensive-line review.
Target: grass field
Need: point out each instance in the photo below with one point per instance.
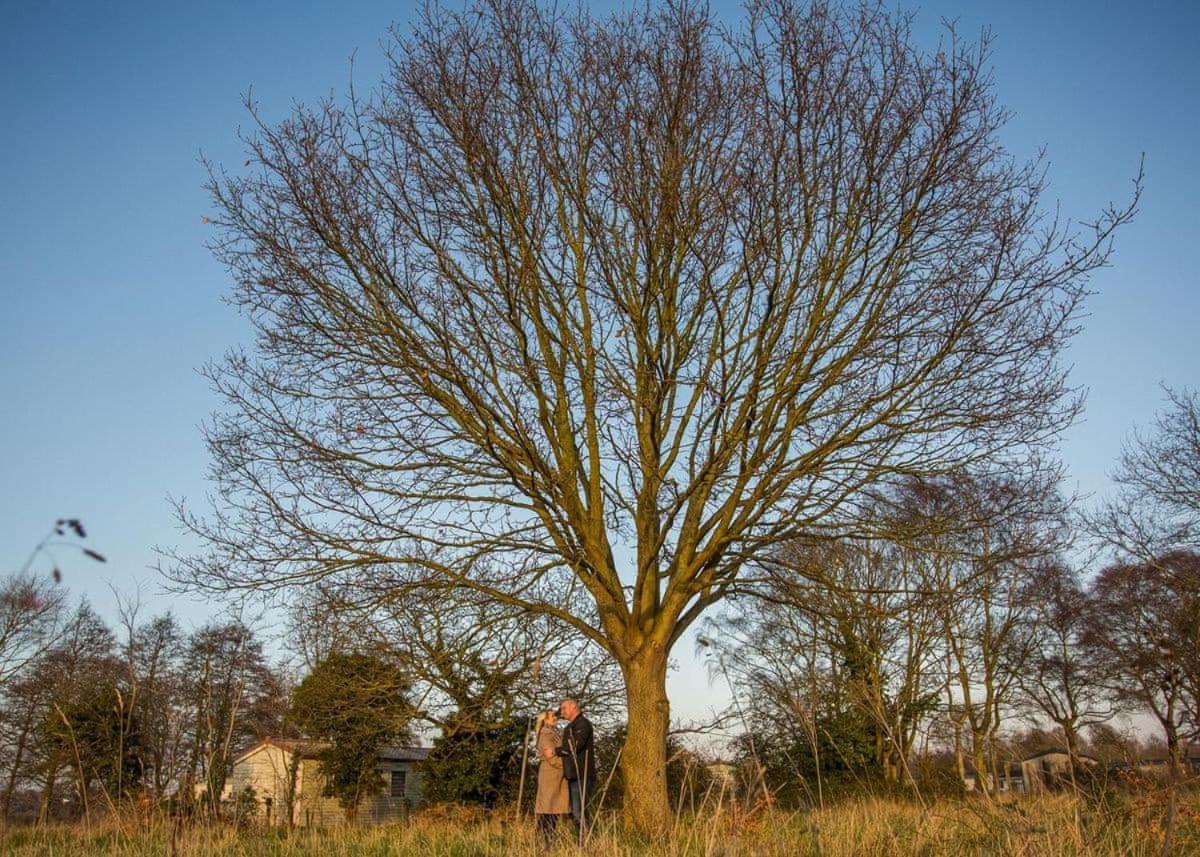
(1041, 827)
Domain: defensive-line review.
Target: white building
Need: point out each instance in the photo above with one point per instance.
(286, 778)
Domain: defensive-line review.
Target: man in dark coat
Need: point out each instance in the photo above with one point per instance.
(579, 760)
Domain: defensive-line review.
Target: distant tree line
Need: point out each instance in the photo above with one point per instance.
(145, 711)
(957, 631)
(91, 714)
(962, 614)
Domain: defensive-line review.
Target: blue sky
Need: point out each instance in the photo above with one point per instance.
(110, 301)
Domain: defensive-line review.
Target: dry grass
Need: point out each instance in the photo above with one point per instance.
(1044, 827)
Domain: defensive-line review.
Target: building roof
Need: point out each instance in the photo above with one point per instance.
(404, 754)
(303, 746)
(1083, 757)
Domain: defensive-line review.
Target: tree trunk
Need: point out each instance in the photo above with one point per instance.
(1072, 739)
(15, 773)
(1175, 749)
(980, 761)
(960, 762)
(999, 773)
(882, 752)
(293, 779)
(52, 768)
(644, 758)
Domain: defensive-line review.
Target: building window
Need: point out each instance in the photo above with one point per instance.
(398, 782)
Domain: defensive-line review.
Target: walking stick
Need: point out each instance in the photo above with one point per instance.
(524, 765)
(536, 669)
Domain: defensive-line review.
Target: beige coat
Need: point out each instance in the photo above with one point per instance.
(552, 795)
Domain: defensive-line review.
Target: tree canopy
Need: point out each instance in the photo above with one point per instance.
(359, 705)
(615, 305)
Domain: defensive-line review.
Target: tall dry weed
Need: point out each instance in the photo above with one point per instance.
(1047, 826)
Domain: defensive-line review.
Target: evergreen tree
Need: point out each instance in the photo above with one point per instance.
(357, 704)
(476, 766)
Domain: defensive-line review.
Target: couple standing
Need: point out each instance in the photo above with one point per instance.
(566, 769)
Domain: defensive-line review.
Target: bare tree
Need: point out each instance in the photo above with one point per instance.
(84, 650)
(984, 535)
(224, 674)
(154, 685)
(1156, 508)
(623, 304)
(155, 657)
(1145, 629)
(1061, 679)
(840, 630)
(31, 613)
(1110, 744)
(473, 663)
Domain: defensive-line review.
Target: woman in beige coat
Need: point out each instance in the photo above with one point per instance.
(553, 799)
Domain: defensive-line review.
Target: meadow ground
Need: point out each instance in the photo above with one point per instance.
(1031, 827)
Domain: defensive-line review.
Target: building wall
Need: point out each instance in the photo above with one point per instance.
(314, 809)
(266, 771)
(1049, 770)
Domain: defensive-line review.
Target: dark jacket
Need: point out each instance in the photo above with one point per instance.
(578, 751)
